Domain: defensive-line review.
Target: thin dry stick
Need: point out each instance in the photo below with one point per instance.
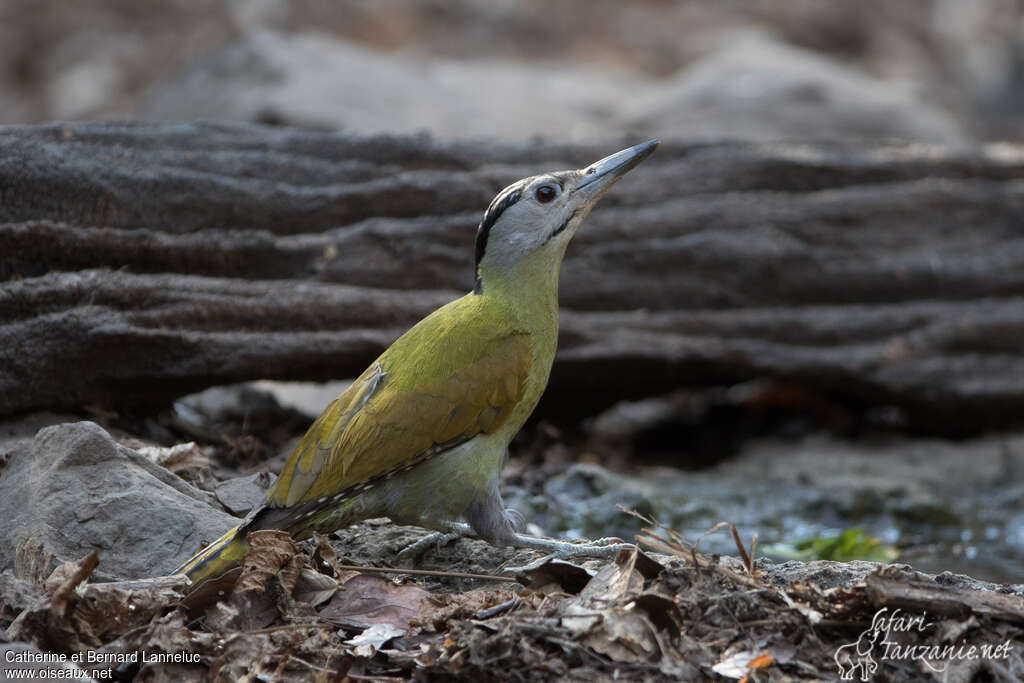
(677, 546)
(748, 560)
(312, 666)
(372, 677)
(657, 542)
(424, 572)
(748, 565)
(288, 627)
(674, 544)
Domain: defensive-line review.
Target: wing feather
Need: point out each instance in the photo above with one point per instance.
(447, 380)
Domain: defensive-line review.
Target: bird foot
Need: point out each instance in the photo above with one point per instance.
(515, 519)
(602, 548)
(437, 539)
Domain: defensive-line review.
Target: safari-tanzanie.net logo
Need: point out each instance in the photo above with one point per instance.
(895, 636)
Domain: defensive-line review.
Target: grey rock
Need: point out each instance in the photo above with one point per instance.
(315, 81)
(581, 503)
(624, 419)
(752, 87)
(16, 433)
(77, 490)
(756, 88)
(200, 413)
(242, 494)
(214, 404)
(306, 397)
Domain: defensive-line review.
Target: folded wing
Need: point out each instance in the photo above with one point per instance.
(454, 376)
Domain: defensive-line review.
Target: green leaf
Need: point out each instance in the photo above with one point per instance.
(850, 544)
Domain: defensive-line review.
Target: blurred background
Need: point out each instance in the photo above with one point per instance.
(821, 298)
(932, 70)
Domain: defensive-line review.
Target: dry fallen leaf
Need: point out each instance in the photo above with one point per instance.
(625, 636)
(559, 576)
(366, 600)
(248, 611)
(187, 460)
(244, 657)
(274, 556)
(622, 579)
(114, 608)
(579, 620)
(53, 622)
(273, 553)
(32, 562)
(314, 587)
(605, 615)
(661, 610)
(178, 456)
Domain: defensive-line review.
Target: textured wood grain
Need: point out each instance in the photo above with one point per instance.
(143, 261)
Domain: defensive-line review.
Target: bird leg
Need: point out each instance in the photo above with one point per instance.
(602, 548)
(500, 526)
(492, 522)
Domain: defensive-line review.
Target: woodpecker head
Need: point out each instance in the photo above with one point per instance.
(535, 218)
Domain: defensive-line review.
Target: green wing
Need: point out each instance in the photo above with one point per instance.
(458, 373)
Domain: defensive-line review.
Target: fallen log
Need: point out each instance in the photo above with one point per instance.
(143, 261)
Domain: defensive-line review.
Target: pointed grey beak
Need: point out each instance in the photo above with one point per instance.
(603, 174)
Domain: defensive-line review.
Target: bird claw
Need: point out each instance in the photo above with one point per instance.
(438, 539)
(610, 540)
(515, 519)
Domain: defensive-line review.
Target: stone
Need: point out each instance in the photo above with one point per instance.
(756, 88)
(241, 494)
(751, 87)
(314, 81)
(77, 490)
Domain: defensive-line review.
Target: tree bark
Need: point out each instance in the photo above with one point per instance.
(143, 261)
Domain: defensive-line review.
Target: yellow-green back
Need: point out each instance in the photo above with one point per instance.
(461, 371)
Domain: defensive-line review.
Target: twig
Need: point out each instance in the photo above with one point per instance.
(312, 666)
(497, 609)
(425, 572)
(372, 677)
(289, 627)
(748, 561)
(739, 546)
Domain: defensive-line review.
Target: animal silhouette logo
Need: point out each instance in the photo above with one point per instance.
(857, 656)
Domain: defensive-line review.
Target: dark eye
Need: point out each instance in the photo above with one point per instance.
(545, 193)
